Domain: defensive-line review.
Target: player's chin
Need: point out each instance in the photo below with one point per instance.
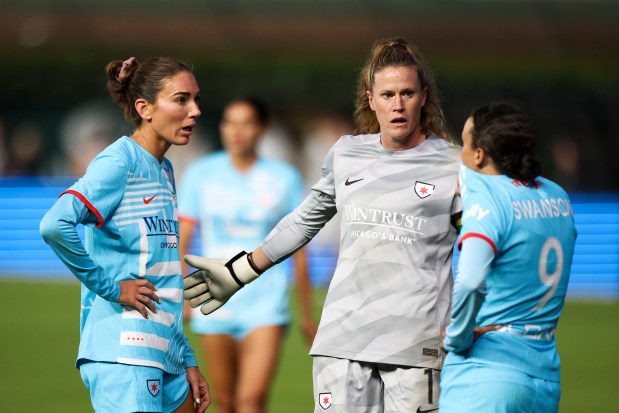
(182, 140)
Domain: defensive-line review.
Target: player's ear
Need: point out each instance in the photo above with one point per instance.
(480, 157)
(143, 109)
(371, 100)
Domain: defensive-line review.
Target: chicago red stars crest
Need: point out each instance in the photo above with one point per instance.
(325, 399)
(153, 387)
(423, 190)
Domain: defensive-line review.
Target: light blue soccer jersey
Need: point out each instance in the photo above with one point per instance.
(133, 198)
(531, 231)
(235, 212)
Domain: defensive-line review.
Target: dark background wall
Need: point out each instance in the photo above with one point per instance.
(560, 58)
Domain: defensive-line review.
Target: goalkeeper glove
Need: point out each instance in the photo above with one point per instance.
(216, 281)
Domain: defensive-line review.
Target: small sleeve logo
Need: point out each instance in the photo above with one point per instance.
(325, 400)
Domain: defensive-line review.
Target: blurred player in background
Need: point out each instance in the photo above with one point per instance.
(377, 346)
(84, 133)
(517, 244)
(133, 354)
(237, 197)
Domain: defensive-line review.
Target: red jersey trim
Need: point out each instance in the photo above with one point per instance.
(476, 235)
(87, 203)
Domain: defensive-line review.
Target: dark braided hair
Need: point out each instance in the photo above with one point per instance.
(504, 131)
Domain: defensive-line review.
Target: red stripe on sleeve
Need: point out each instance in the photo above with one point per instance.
(476, 235)
(87, 203)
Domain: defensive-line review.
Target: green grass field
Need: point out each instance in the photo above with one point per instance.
(39, 326)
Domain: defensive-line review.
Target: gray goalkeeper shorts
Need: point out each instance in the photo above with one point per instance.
(349, 386)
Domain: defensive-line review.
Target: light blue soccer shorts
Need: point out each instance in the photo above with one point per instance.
(237, 324)
(116, 387)
(263, 303)
(481, 388)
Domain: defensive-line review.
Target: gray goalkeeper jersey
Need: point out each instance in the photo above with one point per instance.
(390, 296)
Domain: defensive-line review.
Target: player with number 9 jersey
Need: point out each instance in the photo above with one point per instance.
(517, 243)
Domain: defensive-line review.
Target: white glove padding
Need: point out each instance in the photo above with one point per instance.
(216, 280)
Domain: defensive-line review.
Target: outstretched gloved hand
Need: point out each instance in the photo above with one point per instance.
(216, 281)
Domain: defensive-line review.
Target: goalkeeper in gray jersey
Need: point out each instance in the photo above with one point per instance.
(395, 187)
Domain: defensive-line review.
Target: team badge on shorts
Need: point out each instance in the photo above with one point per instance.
(325, 399)
(423, 190)
(153, 386)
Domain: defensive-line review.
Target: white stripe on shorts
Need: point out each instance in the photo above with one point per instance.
(139, 362)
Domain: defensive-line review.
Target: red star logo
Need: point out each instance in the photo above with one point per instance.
(154, 387)
(325, 400)
(424, 190)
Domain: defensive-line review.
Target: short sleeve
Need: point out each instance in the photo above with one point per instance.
(188, 194)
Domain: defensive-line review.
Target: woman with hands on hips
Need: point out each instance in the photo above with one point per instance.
(133, 354)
